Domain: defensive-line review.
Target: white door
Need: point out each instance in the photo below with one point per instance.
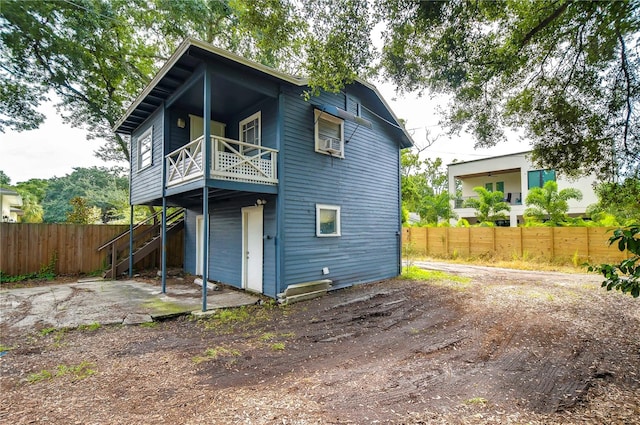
(199, 243)
(252, 248)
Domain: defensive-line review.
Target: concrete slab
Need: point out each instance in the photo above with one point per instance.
(105, 302)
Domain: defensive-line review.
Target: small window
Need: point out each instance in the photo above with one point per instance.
(500, 187)
(329, 134)
(145, 149)
(489, 187)
(327, 220)
(538, 178)
(250, 129)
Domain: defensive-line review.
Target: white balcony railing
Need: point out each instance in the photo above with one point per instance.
(230, 160)
(459, 202)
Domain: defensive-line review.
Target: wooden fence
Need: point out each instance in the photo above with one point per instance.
(573, 244)
(26, 248)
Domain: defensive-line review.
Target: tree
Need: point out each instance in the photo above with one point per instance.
(35, 187)
(546, 203)
(424, 188)
(33, 212)
(411, 185)
(4, 179)
(621, 200)
(81, 212)
(566, 72)
(624, 277)
(96, 55)
(436, 208)
(97, 186)
(489, 206)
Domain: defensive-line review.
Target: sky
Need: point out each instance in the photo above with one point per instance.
(56, 148)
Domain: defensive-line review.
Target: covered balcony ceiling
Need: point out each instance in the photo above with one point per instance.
(487, 173)
(227, 99)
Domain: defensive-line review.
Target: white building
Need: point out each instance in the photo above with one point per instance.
(512, 175)
(10, 202)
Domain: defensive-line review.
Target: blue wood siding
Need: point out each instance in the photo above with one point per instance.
(190, 239)
(268, 112)
(146, 184)
(364, 184)
(178, 137)
(225, 245)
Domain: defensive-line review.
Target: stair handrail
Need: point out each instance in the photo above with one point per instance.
(142, 223)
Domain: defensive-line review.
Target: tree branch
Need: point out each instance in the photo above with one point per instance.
(544, 23)
(627, 78)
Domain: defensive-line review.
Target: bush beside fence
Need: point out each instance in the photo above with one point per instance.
(26, 248)
(573, 244)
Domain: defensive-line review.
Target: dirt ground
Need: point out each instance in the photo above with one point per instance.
(503, 347)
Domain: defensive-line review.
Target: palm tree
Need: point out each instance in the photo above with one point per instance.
(489, 206)
(547, 203)
(434, 208)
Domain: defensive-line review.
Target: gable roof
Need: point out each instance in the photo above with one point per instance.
(184, 63)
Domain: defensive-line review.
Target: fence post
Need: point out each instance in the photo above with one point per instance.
(426, 241)
(446, 239)
(494, 241)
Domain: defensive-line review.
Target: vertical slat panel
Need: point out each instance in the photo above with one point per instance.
(437, 241)
(570, 242)
(536, 242)
(459, 241)
(509, 242)
(588, 243)
(481, 241)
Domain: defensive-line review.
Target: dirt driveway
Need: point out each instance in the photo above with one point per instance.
(500, 347)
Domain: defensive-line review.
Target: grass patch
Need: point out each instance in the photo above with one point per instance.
(416, 273)
(148, 324)
(459, 283)
(217, 353)
(267, 336)
(164, 307)
(57, 333)
(4, 348)
(517, 262)
(78, 372)
(477, 401)
(239, 319)
(278, 346)
(91, 327)
(47, 331)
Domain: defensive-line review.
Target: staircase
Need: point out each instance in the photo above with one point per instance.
(147, 238)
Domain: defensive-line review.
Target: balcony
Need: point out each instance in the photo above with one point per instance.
(230, 160)
(459, 202)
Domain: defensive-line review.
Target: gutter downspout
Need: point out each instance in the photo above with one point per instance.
(279, 244)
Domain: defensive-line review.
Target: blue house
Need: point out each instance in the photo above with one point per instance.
(277, 190)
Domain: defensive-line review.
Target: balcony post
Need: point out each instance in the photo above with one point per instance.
(206, 162)
(206, 118)
(164, 245)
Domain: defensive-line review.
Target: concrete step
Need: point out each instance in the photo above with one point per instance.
(304, 291)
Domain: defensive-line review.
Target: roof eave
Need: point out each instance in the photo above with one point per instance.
(181, 50)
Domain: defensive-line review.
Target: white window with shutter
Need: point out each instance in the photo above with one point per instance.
(329, 134)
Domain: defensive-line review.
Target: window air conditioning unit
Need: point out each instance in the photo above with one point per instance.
(332, 146)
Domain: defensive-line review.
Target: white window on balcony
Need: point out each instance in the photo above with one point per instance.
(327, 220)
(329, 134)
(145, 149)
(250, 130)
